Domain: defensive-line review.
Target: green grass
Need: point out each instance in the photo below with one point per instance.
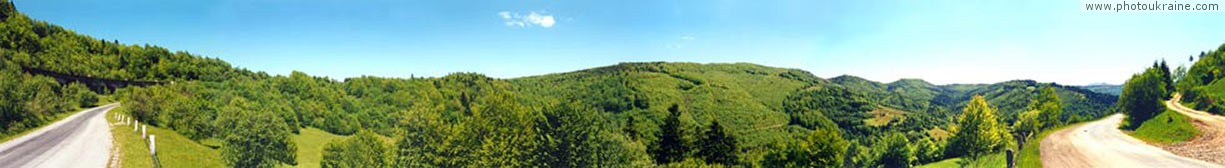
(54, 118)
(310, 145)
(104, 100)
(884, 115)
(1216, 89)
(1165, 128)
(939, 133)
(990, 161)
(173, 150)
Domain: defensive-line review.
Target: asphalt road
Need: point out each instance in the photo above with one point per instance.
(1101, 144)
(80, 140)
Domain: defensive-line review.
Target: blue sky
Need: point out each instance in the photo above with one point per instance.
(942, 41)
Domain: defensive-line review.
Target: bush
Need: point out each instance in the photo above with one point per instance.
(1141, 97)
(362, 150)
(254, 138)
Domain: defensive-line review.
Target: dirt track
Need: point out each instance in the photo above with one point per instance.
(1101, 144)
(1210, 144)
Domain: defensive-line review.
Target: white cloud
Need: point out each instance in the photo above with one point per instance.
(504, 14)
(533, 18)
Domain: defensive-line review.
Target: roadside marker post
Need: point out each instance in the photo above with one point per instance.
(152, 147)
(142, 131)
(153, 152)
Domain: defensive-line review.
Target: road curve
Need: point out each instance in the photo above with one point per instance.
(80, 140)
(1101, 144)
(1210, 144)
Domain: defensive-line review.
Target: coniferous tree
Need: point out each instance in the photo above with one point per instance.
(670, 148)
(567, 137)
(1168, 79)
(719, 146)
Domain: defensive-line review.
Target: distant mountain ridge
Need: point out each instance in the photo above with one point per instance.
(1104, 88)
(723, 87)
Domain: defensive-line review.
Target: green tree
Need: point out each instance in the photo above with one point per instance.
(631, 128)
(823, 147)
(897, 151)
(977, 131)
(80, 94)
(1027, 124)
(365, 149)
(928, 150)
(670, 148)
(1179, 74)
(254, 138)
(1167, 78)
(1141, 97)
(1050, 107)
(568, 136)
(719, 146)
(425, 137)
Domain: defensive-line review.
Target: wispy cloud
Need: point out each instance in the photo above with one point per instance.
(688, 37)
(515, 19)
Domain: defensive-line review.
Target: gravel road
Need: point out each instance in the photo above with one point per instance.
(1101, 144)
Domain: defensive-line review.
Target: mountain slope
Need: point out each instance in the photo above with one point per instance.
(468, 119)
(1104, 88)
(747, 98)
(711, 91)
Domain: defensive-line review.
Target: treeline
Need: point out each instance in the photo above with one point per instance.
(626, 115)
(28, 101)
(1200, 84)
(1144, 93)
(468, 119)
(38, 44)
(458, 120)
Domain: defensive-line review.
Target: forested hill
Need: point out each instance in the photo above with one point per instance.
(945, 100)
(1104, 88)
(1203, 84)
(636, 114)
(751, 96)
(38, 44)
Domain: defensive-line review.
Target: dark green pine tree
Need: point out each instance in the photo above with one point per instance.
(1168, 77)
(719, 146)
(669, 148)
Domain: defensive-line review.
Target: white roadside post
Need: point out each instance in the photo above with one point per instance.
(152, 147)
(142, 131)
